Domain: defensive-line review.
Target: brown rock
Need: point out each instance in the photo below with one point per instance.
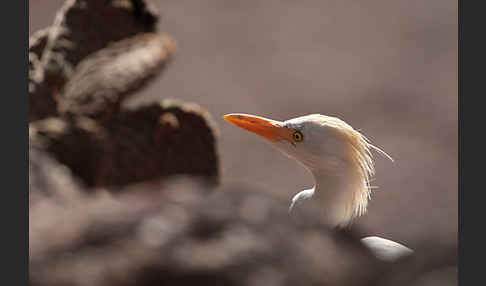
(151, 142)
(183, 237)
(49, 179)
(102, 80)
(81, 27)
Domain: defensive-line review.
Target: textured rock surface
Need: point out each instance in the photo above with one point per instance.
(82, 68)
(102, 80)
(50, 180)
(177, 234)
(80, 28)
(181, 237)
(151, 142)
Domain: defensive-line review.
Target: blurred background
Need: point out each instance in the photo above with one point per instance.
(388, 68)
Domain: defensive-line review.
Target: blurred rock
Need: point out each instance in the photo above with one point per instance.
(39, 106)
(37, 42)
(176, 233)
(81, 27)
(82, 68)
(102, 80)
(48, 179)
(151, 142)
(236, 236)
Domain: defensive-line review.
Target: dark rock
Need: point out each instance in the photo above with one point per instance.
(81, 27)
(102, 80)
(181, 236)
(48, 179)
(151, 142)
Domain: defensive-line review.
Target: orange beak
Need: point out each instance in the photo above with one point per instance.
(267, 128)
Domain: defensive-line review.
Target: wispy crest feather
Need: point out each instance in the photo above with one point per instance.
(362, 162)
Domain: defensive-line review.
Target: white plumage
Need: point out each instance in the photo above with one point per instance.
(339, 157)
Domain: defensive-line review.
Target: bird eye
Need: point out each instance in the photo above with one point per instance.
(297, 136)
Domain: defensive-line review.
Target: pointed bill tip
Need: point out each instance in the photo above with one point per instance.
(268, 128)
(229, 116)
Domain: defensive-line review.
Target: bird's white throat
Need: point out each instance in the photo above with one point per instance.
(338, 197)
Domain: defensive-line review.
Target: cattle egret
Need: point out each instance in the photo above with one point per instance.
(340, 160)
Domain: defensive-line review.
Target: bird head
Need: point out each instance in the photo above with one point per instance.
(327, 146)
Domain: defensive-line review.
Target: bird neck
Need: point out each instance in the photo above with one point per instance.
(336, 195)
